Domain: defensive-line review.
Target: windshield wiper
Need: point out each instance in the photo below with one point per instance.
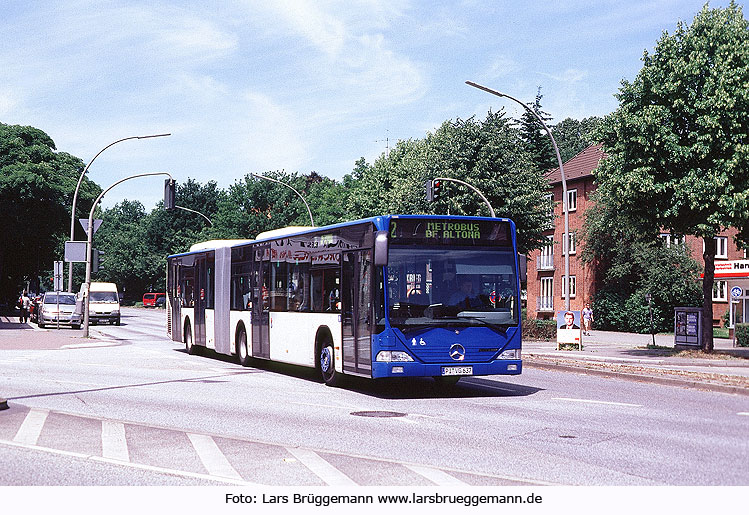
(483, 319)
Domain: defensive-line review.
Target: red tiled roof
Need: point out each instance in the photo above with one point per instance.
(582, 165)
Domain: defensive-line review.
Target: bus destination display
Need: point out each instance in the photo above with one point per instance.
(450, 232)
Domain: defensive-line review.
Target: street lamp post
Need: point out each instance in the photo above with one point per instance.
(564, 188)
(90, 237)
(292, 189)
(475, 189)
(196, 212)
(75, 196)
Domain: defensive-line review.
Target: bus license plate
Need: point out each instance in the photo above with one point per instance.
(457, 371)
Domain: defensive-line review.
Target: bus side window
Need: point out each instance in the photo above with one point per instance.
(326, 290)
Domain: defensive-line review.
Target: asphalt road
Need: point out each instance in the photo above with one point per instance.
(134, 408)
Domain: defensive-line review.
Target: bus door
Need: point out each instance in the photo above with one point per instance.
(201, 290)
(260, 287)
(356, 311)
(174, 301)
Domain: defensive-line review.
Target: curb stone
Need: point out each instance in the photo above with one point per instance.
(654, 376)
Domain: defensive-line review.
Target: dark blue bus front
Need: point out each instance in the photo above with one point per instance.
(450, 303)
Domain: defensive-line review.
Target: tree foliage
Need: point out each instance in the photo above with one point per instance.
(36, 193)
(678, 145)
(574, 136)
(487, 154)
(535, 137)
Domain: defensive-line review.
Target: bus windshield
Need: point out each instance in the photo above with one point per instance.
(456, 286)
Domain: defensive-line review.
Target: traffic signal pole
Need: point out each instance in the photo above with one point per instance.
(90, 232)
(432, 191)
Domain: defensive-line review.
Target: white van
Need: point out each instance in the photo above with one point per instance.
(104, 303)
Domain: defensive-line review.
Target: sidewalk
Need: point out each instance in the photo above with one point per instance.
(627, 355)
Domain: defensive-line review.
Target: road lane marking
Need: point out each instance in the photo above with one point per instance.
(590, 401)
(744, 413)
(321, 468)
(31, 427)
(212, 457)
(436, 476)
(113, 441)
(139, 466)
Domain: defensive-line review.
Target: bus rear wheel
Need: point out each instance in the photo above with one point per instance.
(243, 351)
(190, 346)
(327, 363)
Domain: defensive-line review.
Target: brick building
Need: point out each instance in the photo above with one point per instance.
(545, 292)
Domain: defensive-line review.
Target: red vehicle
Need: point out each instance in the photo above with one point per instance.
(150, 300)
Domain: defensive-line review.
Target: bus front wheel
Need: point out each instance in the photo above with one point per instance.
(327, 363)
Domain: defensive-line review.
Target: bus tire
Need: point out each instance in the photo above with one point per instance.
(326, 362)
(190, 346)
(243, 350)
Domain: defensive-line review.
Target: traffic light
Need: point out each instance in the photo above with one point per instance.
(169, 191)
(433, 188)
(95, 259)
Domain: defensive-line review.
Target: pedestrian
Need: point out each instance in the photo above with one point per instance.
(24, 302)
(587, 315)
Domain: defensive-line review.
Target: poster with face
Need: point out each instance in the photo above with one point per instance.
(568, 327)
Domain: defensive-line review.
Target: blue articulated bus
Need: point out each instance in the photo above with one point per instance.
(388, 296)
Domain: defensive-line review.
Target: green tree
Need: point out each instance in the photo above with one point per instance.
(677, 146)
(121, 239)
(574, 136)
(36, 192)
(638, 264)
(535, 136)
(253, 205)
(488, 154)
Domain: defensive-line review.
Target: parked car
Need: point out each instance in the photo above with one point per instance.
(67, 314)
(150, 300)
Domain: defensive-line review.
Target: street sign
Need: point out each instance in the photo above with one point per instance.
(736, 292)
(75, 251)
(84, 223)
(58, 276)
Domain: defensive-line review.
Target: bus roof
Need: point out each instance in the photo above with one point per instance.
(381, 222)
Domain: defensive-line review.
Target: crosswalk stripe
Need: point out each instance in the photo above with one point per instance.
(31, 427)
(212, 457)
(321, 468)
(113, 441)
(438, 477)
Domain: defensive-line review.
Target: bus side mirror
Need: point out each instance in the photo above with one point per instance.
(523, 265)
(381, 248)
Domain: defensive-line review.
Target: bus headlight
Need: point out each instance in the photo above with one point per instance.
(510, 354)
(393, 355)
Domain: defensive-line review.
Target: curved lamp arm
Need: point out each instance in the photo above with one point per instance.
(292, 189)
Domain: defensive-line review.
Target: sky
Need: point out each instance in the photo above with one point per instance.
(253, 86)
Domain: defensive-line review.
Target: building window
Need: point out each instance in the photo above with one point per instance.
(545, 260)
(546, 295)
(721, 247)
(672, 239)
(573, 287)
(572, 243)
(720, 291)
(571, 200)
(550, 210)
